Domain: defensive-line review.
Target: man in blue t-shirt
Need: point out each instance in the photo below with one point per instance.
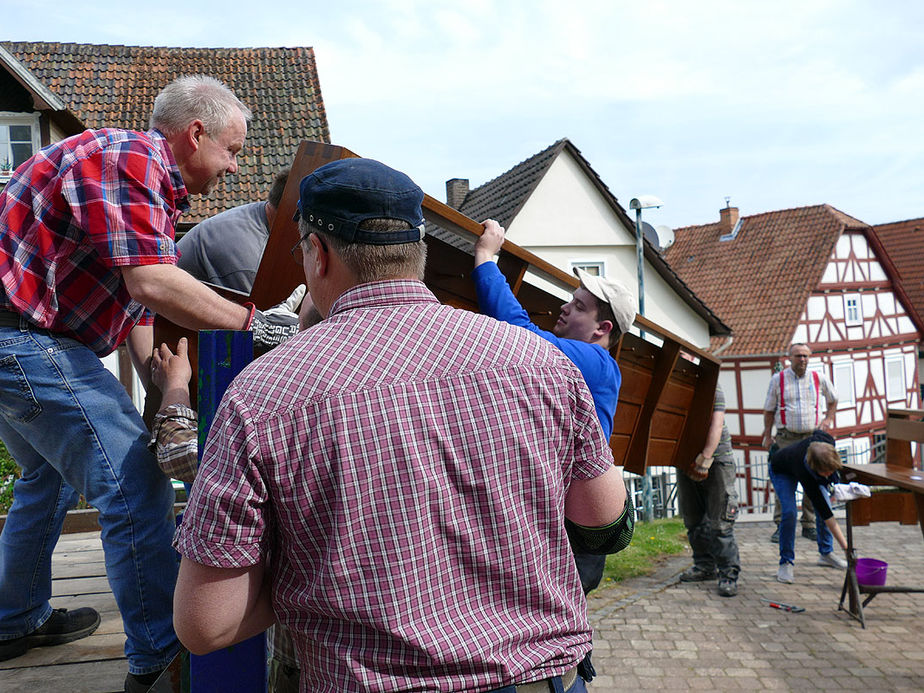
(599, 312)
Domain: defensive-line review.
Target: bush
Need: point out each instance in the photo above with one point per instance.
(9, 473)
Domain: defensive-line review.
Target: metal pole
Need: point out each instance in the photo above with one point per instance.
(647, 500)
(640, 261)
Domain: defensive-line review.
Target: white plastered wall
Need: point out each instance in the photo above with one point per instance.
(567, 220)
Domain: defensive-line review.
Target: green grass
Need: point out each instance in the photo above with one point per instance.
(9, 472)
(652, 540)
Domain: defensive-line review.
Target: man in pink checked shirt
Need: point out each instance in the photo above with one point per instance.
(392, 484)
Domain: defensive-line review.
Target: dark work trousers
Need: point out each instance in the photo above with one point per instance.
(709, 509)
(590, 568)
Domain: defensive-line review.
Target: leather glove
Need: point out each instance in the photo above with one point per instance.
(700, 468)
(275, 325)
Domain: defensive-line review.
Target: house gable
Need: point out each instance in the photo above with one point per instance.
(567, 210)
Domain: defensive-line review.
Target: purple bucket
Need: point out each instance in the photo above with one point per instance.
(871, 572)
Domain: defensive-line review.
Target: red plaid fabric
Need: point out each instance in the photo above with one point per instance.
(75, 213)
(404, 466)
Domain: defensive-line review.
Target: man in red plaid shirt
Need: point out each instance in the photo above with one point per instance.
(86, 246)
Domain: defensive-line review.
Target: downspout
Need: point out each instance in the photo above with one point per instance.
(728, 342)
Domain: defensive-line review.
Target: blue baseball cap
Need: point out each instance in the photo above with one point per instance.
(337, 197)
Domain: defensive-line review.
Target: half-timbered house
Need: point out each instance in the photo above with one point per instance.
(813, 275)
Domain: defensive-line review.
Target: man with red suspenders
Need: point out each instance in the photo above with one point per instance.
(793, 399)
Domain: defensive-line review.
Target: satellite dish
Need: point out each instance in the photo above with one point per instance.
(661, 237)
(648, 231)
(665, 236)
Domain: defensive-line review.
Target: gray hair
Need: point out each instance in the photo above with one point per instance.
(196, 97)
(370, 263)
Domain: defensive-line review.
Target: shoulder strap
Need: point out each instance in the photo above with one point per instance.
(782, 398)
(815, 378)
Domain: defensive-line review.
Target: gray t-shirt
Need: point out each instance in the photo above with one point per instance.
(226, 249)
(725, 443)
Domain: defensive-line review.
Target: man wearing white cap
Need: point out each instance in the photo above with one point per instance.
(599, 312)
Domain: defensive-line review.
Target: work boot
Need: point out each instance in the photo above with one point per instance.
(784, 574)
(810, 533)
(696, 574)
(775, 537)
(62, 626)
(727, 587)
(829, 560)
(147, 683)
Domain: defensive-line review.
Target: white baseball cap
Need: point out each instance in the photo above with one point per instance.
(616, 294)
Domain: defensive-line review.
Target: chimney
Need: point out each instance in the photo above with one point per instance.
(456, 190)
(728, 218)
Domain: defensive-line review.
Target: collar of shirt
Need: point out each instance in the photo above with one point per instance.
(176, 178)
(382, 294)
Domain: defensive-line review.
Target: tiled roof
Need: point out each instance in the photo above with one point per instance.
(503, 197)
(115, 86)
(760, 280)
(903, 241)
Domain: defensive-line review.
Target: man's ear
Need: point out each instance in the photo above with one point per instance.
(604, 329)
(321, 261)
(195, 131)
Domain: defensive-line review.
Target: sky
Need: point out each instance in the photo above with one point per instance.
(771, 105)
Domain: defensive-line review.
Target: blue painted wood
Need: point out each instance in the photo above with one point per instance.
(242, 667)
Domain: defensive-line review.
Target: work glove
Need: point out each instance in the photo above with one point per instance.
(700, 468)
(275, 325)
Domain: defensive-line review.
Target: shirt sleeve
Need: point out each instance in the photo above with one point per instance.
(497, 300)
(773, 393)
(827, 389)
(225, 522)
(120, 198)
(592, 453)
(175, 442)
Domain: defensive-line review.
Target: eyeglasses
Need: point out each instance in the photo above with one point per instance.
(298, 254)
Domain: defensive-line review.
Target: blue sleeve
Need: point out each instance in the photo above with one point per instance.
(601, 374)
(497, 300)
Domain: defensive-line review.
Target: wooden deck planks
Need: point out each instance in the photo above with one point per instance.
(95, 664)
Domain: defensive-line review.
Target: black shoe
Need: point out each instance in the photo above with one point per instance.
(61, 627)
(727, 587)
(696, 574)
(810, 533)
(143, 683)
(775, 537)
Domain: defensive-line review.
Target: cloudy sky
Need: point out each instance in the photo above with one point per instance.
(774, 105)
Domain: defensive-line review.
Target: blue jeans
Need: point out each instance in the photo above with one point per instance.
(785, 487)
(71, 427)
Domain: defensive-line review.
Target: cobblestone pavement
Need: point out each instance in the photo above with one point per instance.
(657, 634)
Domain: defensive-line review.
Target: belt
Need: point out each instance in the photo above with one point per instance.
(544, 686)
(8, 318)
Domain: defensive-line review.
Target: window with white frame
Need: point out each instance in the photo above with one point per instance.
(596, 268)
(845, 451)
(853, 314)
(19, 139)
(843, 382)
(895, 379)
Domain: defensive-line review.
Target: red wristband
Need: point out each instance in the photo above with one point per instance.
(253, 312)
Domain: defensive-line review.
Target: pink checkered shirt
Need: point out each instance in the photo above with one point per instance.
(402, 467)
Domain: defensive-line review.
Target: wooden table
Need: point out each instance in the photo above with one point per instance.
(904, 478)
